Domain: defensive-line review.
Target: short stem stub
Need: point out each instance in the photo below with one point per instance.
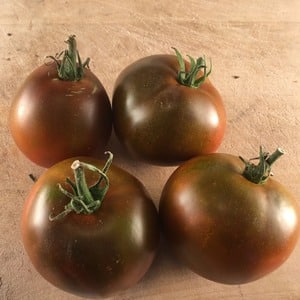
(84, 199)
(259, 173)
(191, 77)
(68, 62)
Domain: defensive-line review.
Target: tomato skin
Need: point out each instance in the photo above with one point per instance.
(224, 227)
(52, 119)
(161, 121)
(91, 255)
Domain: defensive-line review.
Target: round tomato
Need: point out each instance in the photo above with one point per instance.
(61, 110)
(166, 110)
(227, 222)
(103, 240)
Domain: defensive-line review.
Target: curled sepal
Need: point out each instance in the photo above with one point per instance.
(68, 62)
(259, 173)
(84, 199)
(191, 77)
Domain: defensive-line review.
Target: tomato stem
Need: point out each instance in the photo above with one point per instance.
(68, 68)
(260, 173)
(191, 78)
(84, 199)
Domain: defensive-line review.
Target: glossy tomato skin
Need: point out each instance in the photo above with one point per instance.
(161, 121)
(91, 255)
(224, 227)
(52, 119)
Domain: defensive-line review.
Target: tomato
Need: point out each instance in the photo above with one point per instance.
(166, 110)
(90, 247)
(61, 110)
(228, 223)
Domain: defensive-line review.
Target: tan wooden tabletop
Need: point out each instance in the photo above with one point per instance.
(255, 48)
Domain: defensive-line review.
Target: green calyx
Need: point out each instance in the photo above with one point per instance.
(84, 199)
(259, 173)
(68, 62)
(191, 77)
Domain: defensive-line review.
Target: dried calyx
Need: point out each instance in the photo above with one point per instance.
(85, 199)
(259, 173)
(191, 77)
(68, 62)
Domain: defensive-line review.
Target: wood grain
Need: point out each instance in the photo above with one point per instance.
(255, 48)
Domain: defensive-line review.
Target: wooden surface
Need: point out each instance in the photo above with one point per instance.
(255, 48)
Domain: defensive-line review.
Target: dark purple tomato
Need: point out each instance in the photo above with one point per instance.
(165, 111)
(226, 223)
(86, 247)
(59, 112)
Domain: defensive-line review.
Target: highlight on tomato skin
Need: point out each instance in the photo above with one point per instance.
(234, 223)
(61, 110)
(166, 110)
(93, 235)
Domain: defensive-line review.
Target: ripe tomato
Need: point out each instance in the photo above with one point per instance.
(61, 110)
(165, 109)
(225, 227)
(101, 242)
